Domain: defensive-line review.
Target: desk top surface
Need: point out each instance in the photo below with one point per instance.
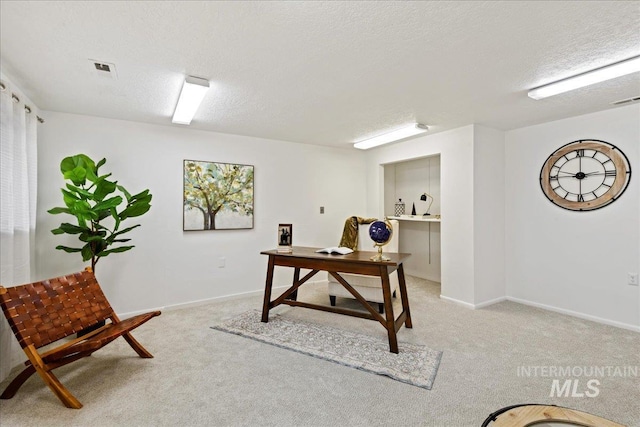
(354, 257)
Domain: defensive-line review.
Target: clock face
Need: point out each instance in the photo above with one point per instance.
(585, 175)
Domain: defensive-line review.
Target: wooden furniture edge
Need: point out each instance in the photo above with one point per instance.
(528, 415)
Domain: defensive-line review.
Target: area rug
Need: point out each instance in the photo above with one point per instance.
(415, 364)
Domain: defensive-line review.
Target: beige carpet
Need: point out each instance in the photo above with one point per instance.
(201, 377)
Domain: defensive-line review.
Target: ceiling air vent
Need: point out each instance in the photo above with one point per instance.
(626, 101)
(103, 69)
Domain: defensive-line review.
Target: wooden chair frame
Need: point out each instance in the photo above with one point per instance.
(41, 313)
(532, 414)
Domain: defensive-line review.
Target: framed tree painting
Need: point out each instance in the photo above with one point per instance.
(217, 196)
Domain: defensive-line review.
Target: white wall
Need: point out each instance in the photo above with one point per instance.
(575, 262)
(488, 210)
(455, 148)
(168, 266)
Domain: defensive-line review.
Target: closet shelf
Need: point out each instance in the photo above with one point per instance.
(415, 218)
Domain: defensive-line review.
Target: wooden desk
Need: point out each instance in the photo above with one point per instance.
(358, 262)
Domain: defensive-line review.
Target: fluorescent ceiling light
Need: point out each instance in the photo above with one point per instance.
(609, 72)
(396, 135)
(193, 91)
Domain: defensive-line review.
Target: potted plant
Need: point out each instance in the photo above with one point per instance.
(94, 201)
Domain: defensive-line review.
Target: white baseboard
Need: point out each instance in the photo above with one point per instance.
(457, 301)
(576, 314)
(473, 306)
(197, 303)
(490, 302)
(260, 292)
(544, 307)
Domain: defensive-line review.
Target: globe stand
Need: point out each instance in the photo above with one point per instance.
(380, 232)
(379, 256)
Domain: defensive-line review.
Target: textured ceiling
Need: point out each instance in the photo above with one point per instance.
(327, 73)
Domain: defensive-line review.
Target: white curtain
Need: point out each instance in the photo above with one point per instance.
(18, 173)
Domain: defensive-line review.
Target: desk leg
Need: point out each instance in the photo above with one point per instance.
(404, 296)
(388, 308)
(296, 279)
(267, 289)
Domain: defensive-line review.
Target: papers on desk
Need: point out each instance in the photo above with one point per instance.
(340, 250)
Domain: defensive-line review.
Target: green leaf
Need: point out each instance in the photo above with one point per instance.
(84, 194)
(142, 199)
(55, 211)
(68, 249)
(108, 204)
(115, 250)
(76, 175)
(126, 193)
(69, 163)
(126, 230)
(99, 246)
(91, 175)
(116, 217)
(89, 238)
(80, 207)
(103, 188)
(140, 195)
(103, 214)
(103, 177)
(69, 197)
(100, 163)
(135, 209)
(70, 229)
(86, 252)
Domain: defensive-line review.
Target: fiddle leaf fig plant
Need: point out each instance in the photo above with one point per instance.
(99, 206)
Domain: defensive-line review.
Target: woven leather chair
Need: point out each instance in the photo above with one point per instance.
(43, 312)
(367, 286)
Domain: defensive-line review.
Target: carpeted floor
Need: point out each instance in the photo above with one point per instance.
(200, 376)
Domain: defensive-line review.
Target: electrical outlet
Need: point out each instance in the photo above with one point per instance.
(633, 279)
(321, 209)
(221, 262)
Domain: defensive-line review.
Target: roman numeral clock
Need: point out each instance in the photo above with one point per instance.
(585, 175)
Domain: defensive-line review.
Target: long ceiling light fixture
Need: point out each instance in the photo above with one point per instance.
(598, 75)
(396, 135)
(193, 91)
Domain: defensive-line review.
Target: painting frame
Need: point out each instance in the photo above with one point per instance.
(217, 196)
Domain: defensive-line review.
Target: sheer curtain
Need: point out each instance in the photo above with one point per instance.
(18, 173)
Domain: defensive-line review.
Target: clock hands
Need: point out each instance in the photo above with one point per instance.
(582, 175)
(607, 173)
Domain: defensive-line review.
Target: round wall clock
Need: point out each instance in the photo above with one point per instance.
(585, 175)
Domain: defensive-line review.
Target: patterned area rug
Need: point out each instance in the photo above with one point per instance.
(415, 364)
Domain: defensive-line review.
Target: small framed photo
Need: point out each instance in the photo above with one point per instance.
(285, 237)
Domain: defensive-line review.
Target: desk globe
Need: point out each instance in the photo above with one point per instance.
(380, 232)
